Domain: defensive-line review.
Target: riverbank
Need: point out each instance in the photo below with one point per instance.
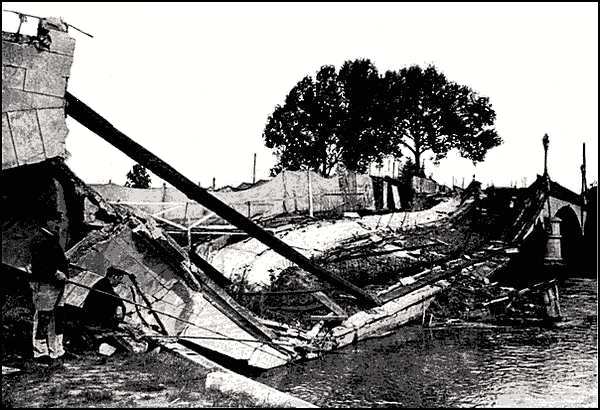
(144, 380)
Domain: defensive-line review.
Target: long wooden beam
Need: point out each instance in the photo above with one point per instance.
(87, 117)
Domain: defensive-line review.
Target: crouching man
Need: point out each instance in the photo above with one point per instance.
(48, 267)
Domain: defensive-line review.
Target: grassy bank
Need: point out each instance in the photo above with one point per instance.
(145, 380)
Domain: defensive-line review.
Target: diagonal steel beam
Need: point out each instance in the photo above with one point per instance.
(87, 117)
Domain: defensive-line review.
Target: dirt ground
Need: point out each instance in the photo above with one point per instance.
(144, 380)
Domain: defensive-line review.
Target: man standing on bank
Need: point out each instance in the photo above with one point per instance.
(49, 266)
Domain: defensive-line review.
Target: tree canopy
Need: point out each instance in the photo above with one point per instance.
(138, 177)
(356, 116)
(327, 121)
(426, 112)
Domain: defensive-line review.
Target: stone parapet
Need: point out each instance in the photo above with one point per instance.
(35, 72)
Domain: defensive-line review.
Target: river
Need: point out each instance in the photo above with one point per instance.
(462, 367)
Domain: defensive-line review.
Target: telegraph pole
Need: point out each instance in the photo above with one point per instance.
(583, 184)
(310, 195)
(254, 170)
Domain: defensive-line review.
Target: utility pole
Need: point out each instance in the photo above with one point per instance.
(583, 184)
(310, 194)
(254, 170)
(214, 183)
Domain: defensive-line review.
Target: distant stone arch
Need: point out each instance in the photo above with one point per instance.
(572, 236)
(590, 238)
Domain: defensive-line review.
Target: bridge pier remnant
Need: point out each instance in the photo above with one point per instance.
(552, 263)
(553, 254)
(552, 303)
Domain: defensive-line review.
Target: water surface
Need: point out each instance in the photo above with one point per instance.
(466, 367)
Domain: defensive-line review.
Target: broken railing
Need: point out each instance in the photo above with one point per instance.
(100, 126)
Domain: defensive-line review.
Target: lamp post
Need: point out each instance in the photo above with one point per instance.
(546, 142)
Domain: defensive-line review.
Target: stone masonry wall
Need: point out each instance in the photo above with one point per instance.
(35, 71)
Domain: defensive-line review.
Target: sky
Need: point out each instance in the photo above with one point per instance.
(195, 83)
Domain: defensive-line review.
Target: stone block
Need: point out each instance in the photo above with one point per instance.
(62, 43)
(9, 159)
(18, 100)
(53, 128)
(13, 77)
(52, 24)
(40, 81)
(26, 136)
(31, 58)
(12, 53)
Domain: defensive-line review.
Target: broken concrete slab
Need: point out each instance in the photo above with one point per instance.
(229, 382)
(74, 295)
(106, 350)
(169, 285)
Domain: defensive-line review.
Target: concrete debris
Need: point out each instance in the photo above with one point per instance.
(106, 350)
(230, 382)
(257, 265)
(7, 370)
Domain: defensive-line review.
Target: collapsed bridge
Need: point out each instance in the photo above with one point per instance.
(184, 300)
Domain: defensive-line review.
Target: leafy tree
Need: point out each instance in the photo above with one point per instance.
(327, 121)
(356, 116)
(362, 135)
(424, 112)
(305, 131)
(138, 177)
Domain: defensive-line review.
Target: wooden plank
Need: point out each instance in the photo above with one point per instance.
(405, 290)
(164, 211)
(328, 318)
(144, 203)
(301, 308)
(285, 292)
(204, 218)
(224, 233)
(97, 124)
(330, 304)
(160, 218)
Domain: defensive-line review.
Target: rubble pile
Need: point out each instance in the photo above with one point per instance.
(479, 294)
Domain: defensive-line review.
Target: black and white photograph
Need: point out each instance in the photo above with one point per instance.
(299, 204)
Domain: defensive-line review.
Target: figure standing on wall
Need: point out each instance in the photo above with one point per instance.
(48, 267)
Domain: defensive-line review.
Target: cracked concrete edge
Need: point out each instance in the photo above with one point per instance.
(226, 381)
(229, 382)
